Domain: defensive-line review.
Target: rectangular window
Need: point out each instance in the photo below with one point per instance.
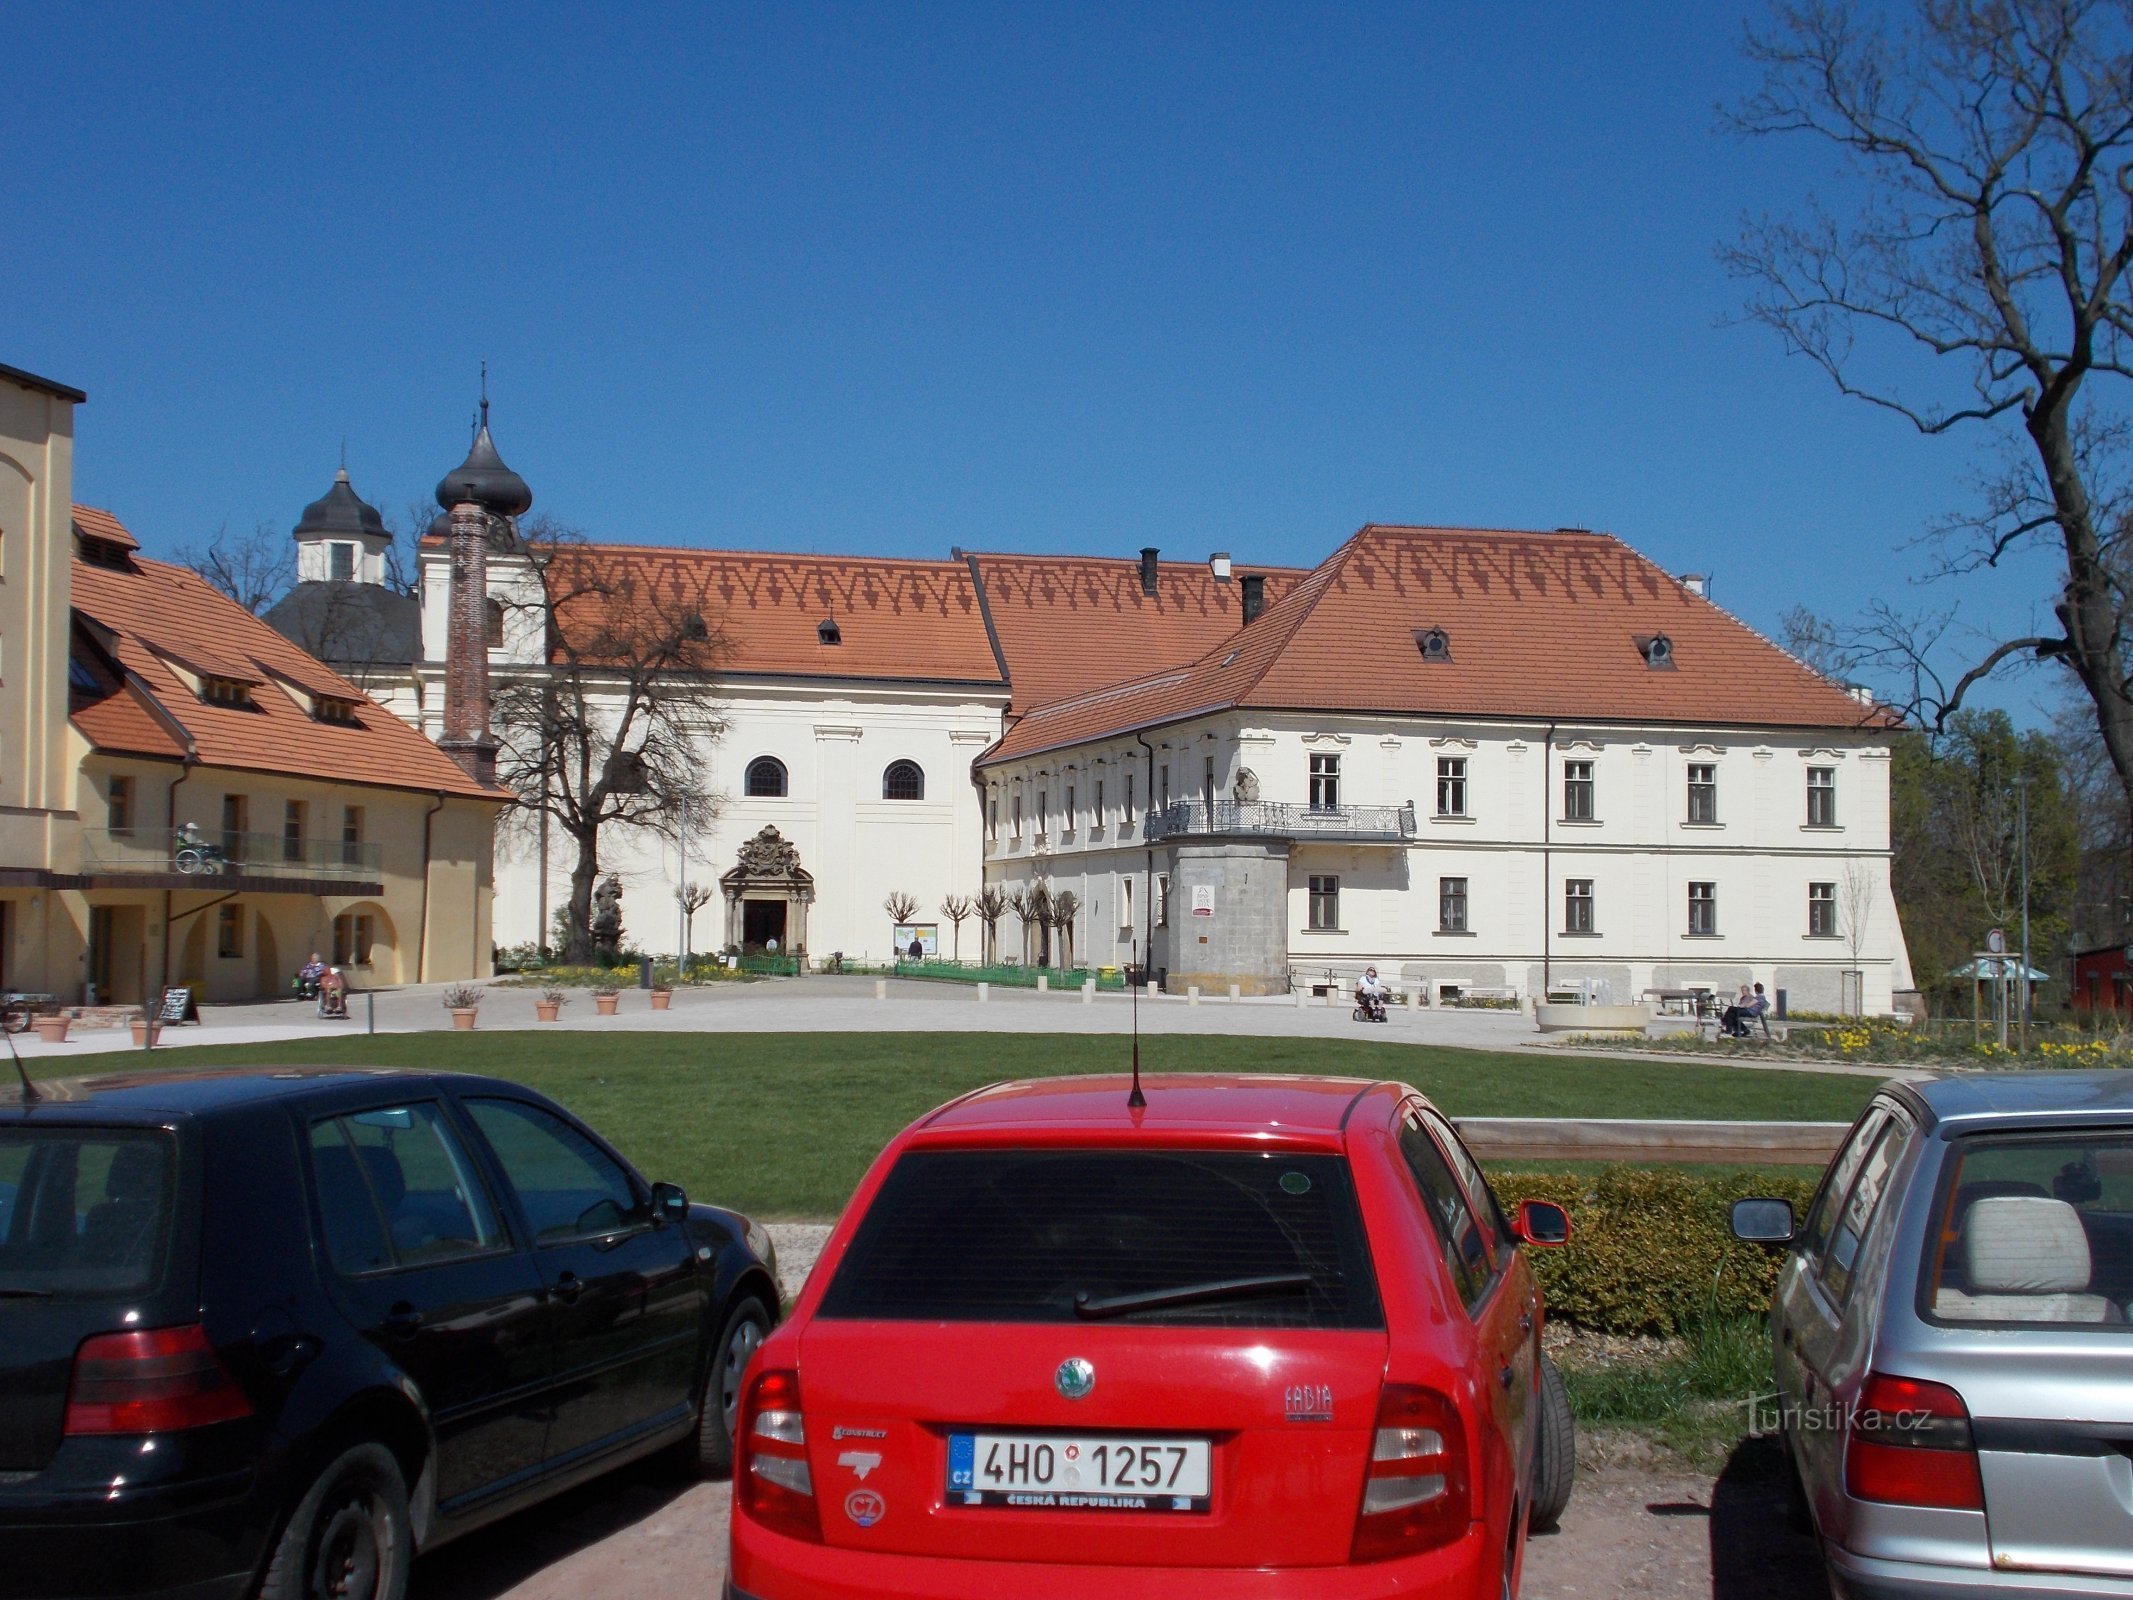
(1325, 901)
(1162, 899)
(1044, 810)
(1017, 806)
(2005, 1236)
(1163, 804)
(992, 815)
(234, 812)
(1125, 902)
(1822, 910)
(1451, 905)
(1067, 821)
(229, 932)
(1577, 791)
(1325, 783)
(351, 939)
(1207, 782)
(1451, 786)
(1129, 813)
(340, 561)
(1703, 908)
(1096, 815)
(119, 804)
(1577, 905)
(351, 835)
(1703, 792)
(1821, 797)
(292, 831)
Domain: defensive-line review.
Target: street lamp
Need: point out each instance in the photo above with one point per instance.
(2022, 829)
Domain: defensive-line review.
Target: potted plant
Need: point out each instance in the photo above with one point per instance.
(662, 988)
(549, 1008)
(463, 1000)
(146, 1030)
(52, 1029)
(606, 996)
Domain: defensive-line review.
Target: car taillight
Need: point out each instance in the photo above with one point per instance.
(1909, 1444)
(1415, 1497)
(158, 1380)
(775, 1485)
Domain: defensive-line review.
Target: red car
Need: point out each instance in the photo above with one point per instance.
(1263, 1336)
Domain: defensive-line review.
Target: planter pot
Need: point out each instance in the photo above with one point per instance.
(548, 1010)
(1624, 1020)
(52, 1030)
(605, 1003)
(463, 1017)
(145, 1032)
(662, 998)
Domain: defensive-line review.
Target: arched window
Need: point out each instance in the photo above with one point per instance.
(766, 778)
(905, 780)
(492, 620)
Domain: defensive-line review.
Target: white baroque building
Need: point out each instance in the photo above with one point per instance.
(1483, 761)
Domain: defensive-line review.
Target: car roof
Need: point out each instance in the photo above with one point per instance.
(2025, 1097)
(125, 1095)
(1249, 1107)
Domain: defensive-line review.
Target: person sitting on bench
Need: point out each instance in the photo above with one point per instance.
(1750, 1007)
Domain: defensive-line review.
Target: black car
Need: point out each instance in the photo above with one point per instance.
(277, 1331)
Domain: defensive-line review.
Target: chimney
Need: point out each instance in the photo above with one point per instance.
(1148, 554)
(467, 739)
(1254, 594)
(1697, 584)
(1218, 564)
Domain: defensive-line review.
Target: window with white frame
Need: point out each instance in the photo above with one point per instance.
(1821, 797)
(1067, 821)
(340, 562)
(1577, 905)
(1207, 782)
(1096, 813)
(1162, 899)
(1129, 811)
(1703, 909)
(1703, 792)
(1163, 787)
(1325, 909)
(1451, 786)
(992, 814)
(1325, 782)
(1044, 811)
(1451, 905)
(1016, 816)
(1577, 791)
(1125, 902)
(1821, 911)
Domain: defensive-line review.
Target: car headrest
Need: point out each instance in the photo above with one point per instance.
(2025, 1244)
(136, 1172)
(386, 1178)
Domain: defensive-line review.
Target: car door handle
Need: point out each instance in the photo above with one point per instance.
(568, 1287)
(402, 1320)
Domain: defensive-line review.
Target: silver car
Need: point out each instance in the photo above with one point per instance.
(1953, 1357)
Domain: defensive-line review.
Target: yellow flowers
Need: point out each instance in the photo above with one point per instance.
(2091, 1050)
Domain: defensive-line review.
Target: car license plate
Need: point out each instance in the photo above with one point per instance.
(1077, 1472)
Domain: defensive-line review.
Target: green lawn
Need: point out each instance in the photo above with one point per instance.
(783, 1124)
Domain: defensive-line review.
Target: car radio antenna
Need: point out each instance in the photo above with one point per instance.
(30, 1096)
(1135, 1101)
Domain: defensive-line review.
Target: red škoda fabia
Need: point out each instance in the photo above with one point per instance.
(1265, 1336)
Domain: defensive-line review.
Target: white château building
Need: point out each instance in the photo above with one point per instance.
(1480, 760)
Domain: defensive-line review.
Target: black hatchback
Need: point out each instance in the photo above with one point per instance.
(277, 1331)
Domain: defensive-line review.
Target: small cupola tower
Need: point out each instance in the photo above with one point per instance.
(341, 537)
(481, 497)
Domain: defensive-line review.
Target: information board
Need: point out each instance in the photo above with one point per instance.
(178, 1006)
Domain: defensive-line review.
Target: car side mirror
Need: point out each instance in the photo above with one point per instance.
(669, 1204)
(1762, 1221)
(1542, 1223)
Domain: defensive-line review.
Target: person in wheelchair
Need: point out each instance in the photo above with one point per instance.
(332, 993)
(1371, 994)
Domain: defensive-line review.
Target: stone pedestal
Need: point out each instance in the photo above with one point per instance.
(1229, 914)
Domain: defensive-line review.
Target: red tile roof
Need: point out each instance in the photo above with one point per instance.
(913, 620)
(153, 614)
(1070, 624)
(1540, 625)
(92, 523)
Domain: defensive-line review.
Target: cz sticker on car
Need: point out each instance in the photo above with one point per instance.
(1078, 1472)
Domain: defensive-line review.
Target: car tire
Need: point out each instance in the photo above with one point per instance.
(745, 1328)
(349, 1538)
(1555, 1450)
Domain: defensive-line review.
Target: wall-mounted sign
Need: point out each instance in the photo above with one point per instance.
(1203, 899)
(1996, 941)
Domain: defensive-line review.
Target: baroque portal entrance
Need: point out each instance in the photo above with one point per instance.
(767, 895)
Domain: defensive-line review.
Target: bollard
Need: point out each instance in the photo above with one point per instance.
(371, 1004)
(1088, 991)
(1236, 993)
(1192, 994)
(1414, 1002)
(881, 988)
(1303, 996)
(1153, 991)
(983, 990)
(1044, 983)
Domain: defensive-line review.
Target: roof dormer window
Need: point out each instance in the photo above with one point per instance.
(221, 691)
(327, 708)
(1658, 652)
(827, 632)
(1434, 643)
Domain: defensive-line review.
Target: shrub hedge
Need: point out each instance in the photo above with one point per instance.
(1649, 1247)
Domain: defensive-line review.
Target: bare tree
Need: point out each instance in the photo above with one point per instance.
(901, 907)
(253, 569)
(1066, 906)
(957, 908)
(991, 906)
(1980, 284)
(1019, 903)
(614, 730)
(692, 898)
(1856, 906)
(1040, 914)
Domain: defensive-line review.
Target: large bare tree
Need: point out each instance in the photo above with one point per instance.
(614, 729)
(254, 569)
(1976, 281)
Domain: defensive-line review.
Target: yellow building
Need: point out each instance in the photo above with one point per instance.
(185, 795)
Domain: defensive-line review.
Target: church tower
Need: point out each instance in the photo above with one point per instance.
(341, 538)
(480, 498)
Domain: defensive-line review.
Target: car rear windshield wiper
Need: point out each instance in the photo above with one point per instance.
(24, 1294)
(1185, 1294)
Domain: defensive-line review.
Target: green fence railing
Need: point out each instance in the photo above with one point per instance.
(1006, 975)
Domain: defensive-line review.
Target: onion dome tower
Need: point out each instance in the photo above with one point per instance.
(480, 498)
(340, 536)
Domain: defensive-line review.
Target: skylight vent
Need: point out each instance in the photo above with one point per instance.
(1434, 643)
(827, 632)
(1658, 652)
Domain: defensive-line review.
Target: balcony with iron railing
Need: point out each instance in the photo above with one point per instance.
(162, 851)
(1273, 819)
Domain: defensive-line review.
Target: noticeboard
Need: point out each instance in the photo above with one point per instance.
(178, 1006)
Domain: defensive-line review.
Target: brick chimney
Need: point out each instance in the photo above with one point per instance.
(1148, 570)
(1252, 594)
(467, 739)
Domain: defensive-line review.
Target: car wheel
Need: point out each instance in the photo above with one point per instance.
(349, 1537)
(744, 1330)
(1555, 1450)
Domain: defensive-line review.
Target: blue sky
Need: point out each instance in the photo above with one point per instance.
(893, 279)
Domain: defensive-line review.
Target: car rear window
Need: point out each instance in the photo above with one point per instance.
(84, 1212)
(2036, 1231)
(1082, 1235)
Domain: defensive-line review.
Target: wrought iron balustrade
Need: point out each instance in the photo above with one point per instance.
(1273, 819)
(218, 854)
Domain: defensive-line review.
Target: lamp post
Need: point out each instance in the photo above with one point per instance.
(2022, 831)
